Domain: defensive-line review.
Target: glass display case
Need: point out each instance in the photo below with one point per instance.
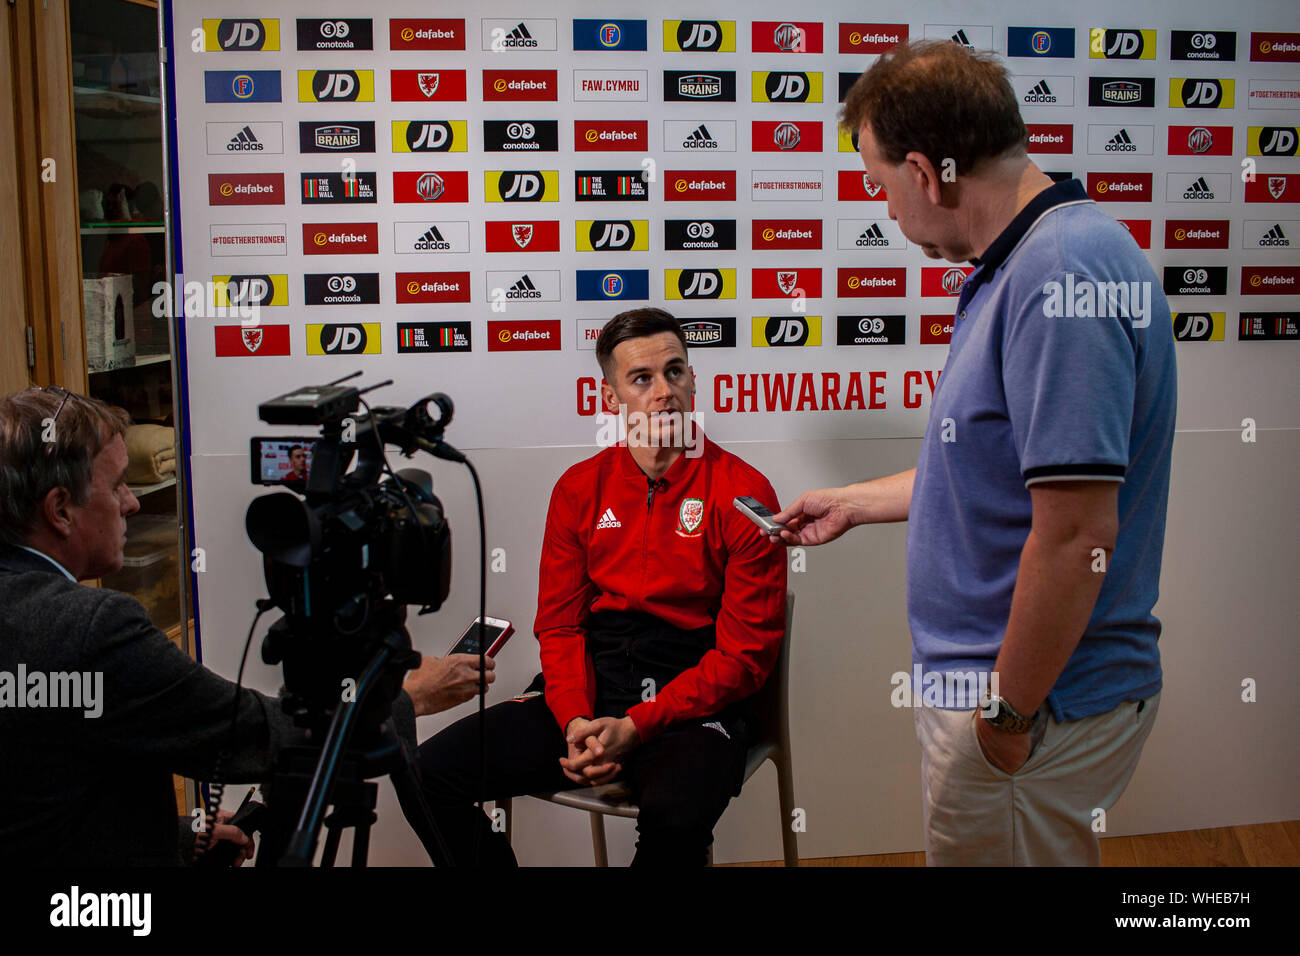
(121, 185)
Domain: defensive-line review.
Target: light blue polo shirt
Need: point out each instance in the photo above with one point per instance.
(1047, 379)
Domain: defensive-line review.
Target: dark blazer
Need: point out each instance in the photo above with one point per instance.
(79, 790)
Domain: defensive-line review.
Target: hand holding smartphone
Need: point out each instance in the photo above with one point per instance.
(492, 631)
(757, 512)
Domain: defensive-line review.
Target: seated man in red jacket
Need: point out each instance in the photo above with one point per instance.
(660, 609)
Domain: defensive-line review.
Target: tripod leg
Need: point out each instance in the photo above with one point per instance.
(331, 851)
(411, 797)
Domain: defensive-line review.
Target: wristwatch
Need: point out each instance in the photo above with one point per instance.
(1005, 717)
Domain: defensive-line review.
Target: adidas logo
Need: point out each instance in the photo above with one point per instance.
(1275, 237)
(607, 520)
(244, 141)
(700, 139)
(960, 38)
(1121, 142)
(432, 241)
(872, 236)
(1199, 190)
(1040, 93)
(523, 289)
(519, 38)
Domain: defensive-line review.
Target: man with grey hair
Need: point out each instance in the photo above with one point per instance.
(91, 784)
(1036, 511)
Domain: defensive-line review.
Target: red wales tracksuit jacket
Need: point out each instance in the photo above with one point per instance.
(681, 552)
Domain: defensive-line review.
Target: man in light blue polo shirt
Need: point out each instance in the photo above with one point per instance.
(1037, 508)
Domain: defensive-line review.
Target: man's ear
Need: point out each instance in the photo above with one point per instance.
(56, 509)
(608, 398)
(925, 176)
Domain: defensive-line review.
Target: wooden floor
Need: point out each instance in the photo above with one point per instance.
(1263, 844)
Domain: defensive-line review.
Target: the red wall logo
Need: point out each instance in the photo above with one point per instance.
(610, 136)
(520, 85)
(426, 287)
(858, 187)
(1051, 137)
(421, 86)
(1270, 280)
(246, 189)
(857, 283)
(339, 238)
(787, 234)
(936, 329)
(1274, 187)
(528, 236)
(787, 136)
(429, 187)
(871, 37)
(1120, 187)
(1196, 234)
(234, 340)
(1140, 229)
(786, 283)
(786, 37)
(536, 336)
(686, 184)
(1275, 47)
(1200, 141)
(941, 280)
(426, 34)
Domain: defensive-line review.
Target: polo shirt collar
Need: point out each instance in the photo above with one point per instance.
(1057, 194)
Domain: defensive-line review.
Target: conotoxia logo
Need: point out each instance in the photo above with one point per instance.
(339, 238)
(1120, 187)
(715, 184)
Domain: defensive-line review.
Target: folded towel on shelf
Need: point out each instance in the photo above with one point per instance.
(151, 454)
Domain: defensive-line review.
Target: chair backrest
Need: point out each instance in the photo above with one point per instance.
(772, 701)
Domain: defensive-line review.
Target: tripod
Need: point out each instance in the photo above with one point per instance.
(309, 777)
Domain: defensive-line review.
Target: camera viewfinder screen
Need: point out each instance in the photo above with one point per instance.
(284, 460)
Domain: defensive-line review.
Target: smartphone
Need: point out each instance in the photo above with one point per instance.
(494, 634)
(278, 461)
(757, 512)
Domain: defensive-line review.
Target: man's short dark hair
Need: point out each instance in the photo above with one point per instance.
(938, 98)
(633, 324)
(30, 467)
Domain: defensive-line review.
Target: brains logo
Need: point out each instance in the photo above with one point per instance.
(227, 189)
(320, 239)
(952, 281)
(499, 85)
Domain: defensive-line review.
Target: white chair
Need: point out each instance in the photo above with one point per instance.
(771, 709)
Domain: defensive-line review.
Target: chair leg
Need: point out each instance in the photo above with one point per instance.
(505, 804)
(785, 793)
(598, 839)
(710, 863)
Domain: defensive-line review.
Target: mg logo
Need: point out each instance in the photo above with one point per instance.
(789, 37)
(520, 187)
(424, 137)
(702, 35)
(700, 283)
(786, 136)
(612, 236)
(952, 281)
(338, 284)
(427, 83)
(342, 86)
(787, 87)
(612, 285)
(430, 186)
(787, 281)
(1200, 140)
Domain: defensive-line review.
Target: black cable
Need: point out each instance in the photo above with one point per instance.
(482, 654)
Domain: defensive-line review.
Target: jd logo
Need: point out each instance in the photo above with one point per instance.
(241, 35)
(1123, 44)
(428, 137)
(704, 36)
(340, 86)
(787, 87)
(786, 331)
(1194, 327)
(610, 235)
(700, 283)
(520, 187)
(1202, 93)
(342, 339)
(249, 290)
(1277, 141)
